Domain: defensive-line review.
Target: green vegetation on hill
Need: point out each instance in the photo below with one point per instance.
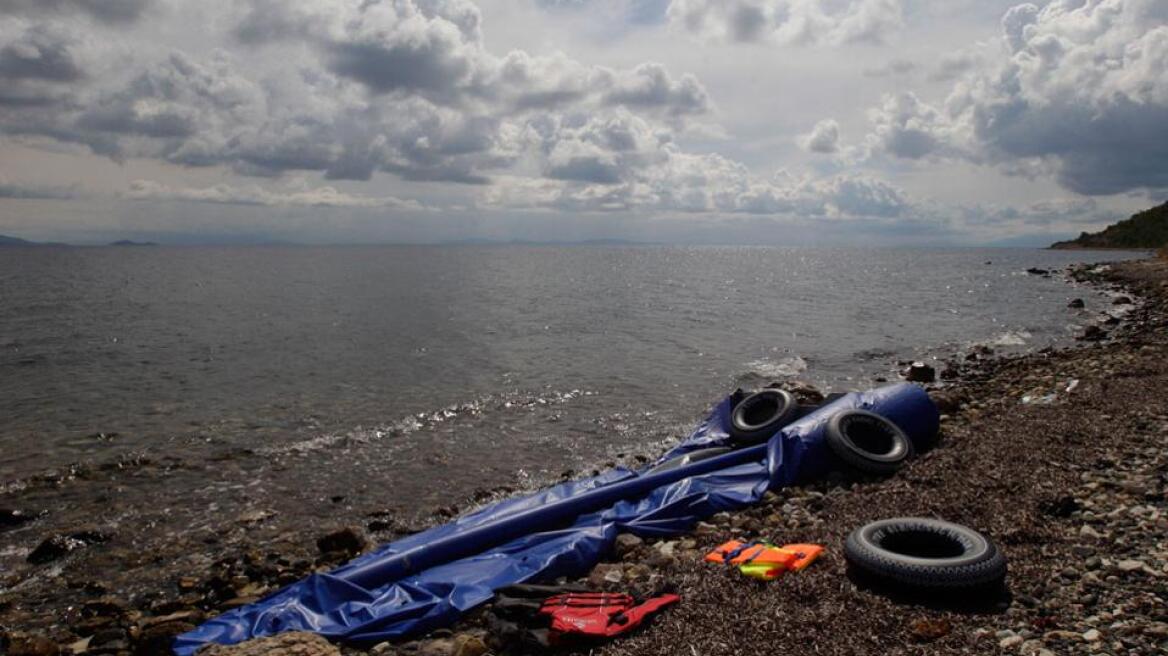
(1147, 229)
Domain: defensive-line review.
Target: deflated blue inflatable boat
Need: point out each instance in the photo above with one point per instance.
(428, 580)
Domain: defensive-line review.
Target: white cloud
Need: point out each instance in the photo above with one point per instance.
(823, 138)
(788, 21)
(298, 195)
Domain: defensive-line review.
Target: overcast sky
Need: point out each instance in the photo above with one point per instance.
(721, 121)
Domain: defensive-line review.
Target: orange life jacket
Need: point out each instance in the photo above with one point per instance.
(764, 560)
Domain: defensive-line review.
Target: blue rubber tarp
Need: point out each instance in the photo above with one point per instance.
(332, 606)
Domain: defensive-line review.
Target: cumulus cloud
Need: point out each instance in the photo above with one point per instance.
(953, 65)
(907, 127)
(297, 196)
(624, 168)
(107, 11)
(38, 64)
(1080, 92)
(788, 21)
(343, 87)
(823, 138)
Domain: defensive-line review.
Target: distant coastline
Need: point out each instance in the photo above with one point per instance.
(17, 242)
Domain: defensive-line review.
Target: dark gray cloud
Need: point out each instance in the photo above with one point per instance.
(429, 67)
(405, 87)
(35, 192)
(41, 53)
(107, 11)
(1081, 94)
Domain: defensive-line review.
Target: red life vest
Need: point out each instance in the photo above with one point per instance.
(598, 614)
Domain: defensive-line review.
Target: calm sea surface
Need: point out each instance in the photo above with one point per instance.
(237, 379)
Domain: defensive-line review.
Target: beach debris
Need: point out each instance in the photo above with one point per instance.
(919, 372)
(925, 629)
(763, 560)
(1072, 384)
(1034, 399)
(914, 554)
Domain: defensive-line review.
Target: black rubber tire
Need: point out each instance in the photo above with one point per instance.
(692, 456)
(924, 555)
(760, 415)
(868, 442)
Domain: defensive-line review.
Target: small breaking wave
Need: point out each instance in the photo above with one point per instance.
(491, 403)
(781, 368)
(1010, 338)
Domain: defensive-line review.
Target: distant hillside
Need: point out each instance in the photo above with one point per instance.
(1147, 229)
(127, 242)
(17, 241)
(13, 241)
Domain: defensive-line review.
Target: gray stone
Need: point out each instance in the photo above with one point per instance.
(627, 543)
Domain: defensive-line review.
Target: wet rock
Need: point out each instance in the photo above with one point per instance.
(285, 644)
(1093, 334)
(57, 546)
(24, 644)
(1122, 300)
(1035, 271)
(349, 541)
(948, 403)
(1062, 507)
(1077, 304)
(919, 372)
(627, 543)
(157, 638)
(10, 518)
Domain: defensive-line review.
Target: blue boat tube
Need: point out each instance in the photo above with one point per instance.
(907, 406)
(428, 580)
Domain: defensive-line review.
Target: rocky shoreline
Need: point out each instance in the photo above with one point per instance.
(1059, 455)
